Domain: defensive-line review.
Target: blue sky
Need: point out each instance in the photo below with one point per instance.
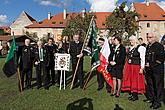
(38, 9)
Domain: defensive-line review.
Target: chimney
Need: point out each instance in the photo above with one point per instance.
(64, 14)
(147, 2)
(49, 15)
(83, 12)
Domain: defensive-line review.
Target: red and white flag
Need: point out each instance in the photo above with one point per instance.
(103, 56)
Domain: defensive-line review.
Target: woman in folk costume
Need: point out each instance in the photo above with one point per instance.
(133, 79)
(116, 64)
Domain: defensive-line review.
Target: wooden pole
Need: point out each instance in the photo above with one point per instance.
(19, 79)
(75, 72)
(86, 82)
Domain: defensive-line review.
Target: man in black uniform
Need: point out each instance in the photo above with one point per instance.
(39, 62)
(50, 63)
(154, 71)
(75, 52)
(26, 54)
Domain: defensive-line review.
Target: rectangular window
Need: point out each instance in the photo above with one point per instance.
(146, 34)
(148, 25)
(48, 34)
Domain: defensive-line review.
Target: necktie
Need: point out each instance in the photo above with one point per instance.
(41, 54)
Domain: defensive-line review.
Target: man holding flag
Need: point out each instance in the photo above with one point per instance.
(77, 61)
(100, 77)
(92, 48)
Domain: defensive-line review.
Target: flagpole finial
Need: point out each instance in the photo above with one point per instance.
(13, 33)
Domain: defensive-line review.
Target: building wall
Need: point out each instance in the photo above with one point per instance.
(156, 26)
(45, 32)
(18, 27)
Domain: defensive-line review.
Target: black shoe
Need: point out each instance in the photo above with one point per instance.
(38, 87)
(151, 106)
(130, 97)
(156, 106)
(117, 96)
(133, 99)
(46, 88)
(147, 101)
(113, 94)
(99, 88)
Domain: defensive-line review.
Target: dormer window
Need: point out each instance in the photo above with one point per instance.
(163, 16)
(148, 25)
(103, 24)
(145, 16)
(40, 22)
(61, 22)
(53, 22)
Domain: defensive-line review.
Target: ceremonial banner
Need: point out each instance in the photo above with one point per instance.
(10, 66)
(91, 46)
(62, 61)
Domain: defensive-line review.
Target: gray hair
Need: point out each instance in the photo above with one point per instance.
(134, 38)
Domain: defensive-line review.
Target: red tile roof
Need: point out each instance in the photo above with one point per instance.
(101, 18)
(5, 37)
(58, 21)
(151, 12)
(55, 21)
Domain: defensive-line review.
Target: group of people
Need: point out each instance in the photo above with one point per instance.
(136, 69)
(43, 59)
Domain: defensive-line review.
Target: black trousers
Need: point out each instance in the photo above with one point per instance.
(48, 75)
(40, 70)
(155, 83)
(101, 80)
(79, 75)
(28, 73)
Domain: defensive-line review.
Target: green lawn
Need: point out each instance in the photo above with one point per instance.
(54, 99)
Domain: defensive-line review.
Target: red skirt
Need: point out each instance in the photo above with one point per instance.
(133, 81)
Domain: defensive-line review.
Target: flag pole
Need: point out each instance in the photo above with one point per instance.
(19, 77)
(75, 72)
(86, 82)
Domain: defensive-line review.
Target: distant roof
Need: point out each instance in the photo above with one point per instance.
(17, 37)
(4, 27)
(31, 19)
(149, 13)
(58, 20)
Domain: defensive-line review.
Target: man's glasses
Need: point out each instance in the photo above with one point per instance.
(149, 37)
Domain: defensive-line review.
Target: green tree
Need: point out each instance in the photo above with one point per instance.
(77, 24)
(122, 22)
(2, 32)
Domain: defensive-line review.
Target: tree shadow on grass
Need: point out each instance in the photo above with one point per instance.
(81, 104)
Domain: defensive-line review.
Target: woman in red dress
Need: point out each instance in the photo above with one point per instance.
(133, 79)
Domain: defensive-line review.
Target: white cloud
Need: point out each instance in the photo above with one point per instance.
(57, 3)
(46, 3)
(3, 20)
(102, 5)
(162, 4)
